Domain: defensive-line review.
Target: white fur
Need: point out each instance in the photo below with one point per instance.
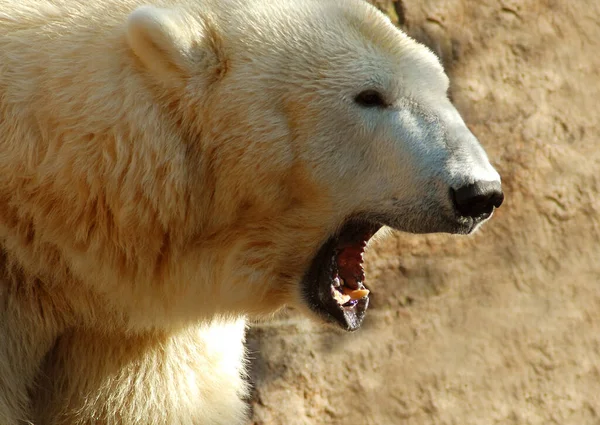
(168, 170)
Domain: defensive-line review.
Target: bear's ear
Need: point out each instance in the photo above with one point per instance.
(168, 42)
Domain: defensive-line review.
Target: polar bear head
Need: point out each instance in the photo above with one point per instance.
(312, 123)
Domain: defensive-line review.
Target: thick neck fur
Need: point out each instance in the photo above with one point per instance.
(137, 217)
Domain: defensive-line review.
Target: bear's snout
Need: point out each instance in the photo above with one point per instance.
(479, 199)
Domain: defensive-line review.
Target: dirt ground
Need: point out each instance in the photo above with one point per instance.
(502, 327)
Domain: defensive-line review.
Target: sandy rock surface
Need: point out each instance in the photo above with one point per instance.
(502, 327)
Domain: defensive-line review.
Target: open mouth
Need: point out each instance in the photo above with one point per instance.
(333, 286)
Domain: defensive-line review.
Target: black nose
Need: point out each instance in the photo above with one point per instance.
(478, 199)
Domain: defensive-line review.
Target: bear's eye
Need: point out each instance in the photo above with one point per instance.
(370, 99)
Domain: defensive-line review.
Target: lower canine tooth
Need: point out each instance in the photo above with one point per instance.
(341, 298)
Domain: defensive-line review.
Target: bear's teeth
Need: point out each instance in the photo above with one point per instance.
(340, 298)
(337, 282)
(346, 294)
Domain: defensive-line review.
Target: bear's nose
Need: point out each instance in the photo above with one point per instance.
(478, 199)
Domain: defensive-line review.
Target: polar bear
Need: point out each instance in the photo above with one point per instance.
(168, 170)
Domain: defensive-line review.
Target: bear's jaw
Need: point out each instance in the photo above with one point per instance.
(333, 287)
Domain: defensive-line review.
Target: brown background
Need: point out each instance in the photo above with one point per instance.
(502, 327)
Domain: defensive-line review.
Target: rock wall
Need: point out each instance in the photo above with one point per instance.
(502, 327)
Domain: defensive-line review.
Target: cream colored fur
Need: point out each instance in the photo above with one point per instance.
(167, 171)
